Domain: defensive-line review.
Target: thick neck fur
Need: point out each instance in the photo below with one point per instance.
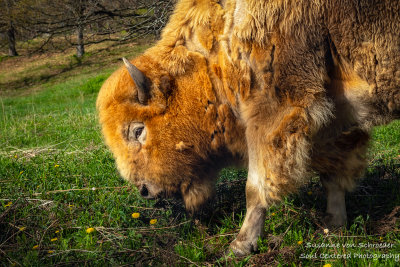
(191, 46)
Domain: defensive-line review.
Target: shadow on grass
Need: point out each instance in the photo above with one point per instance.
(375, 201)
(33, 79)
(376, 197)
(69, 65)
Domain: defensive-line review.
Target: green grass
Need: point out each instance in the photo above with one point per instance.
(57, 179)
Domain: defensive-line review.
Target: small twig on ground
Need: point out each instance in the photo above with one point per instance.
(45, 201)
(222, 235)
(141, 229)
(72, 250)
(146, 208)
(287, 230)
(80, 189)
(11, 236)
(45, 231)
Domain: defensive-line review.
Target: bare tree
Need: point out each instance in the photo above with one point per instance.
(85, 22)
(12, 51)
(7, 17)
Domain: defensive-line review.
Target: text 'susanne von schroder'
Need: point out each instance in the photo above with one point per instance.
(349, 245)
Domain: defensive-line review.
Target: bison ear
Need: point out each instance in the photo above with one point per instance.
(165, 85)
(141, 81)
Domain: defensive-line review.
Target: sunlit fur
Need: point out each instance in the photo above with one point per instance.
(192, 131)
(287, 87)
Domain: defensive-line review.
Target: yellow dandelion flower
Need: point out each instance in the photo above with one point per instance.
(153, 221)
(135, 215)
(22, 228)
(90, 230)
(326, 231)
(50, 251)
(57, 231)
(53, 239)
(273, 214)
(380, 238)
(16, 156)
(327, 265)
(21, 172)
(309, 193)
(56, 166)
(35, 247)
(8, 204)
(299, 242)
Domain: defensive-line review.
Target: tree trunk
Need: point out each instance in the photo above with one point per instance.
(11, 40)
(80, 48)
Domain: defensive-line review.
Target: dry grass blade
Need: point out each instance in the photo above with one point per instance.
(80, 189)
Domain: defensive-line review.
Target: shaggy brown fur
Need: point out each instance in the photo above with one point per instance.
(285, 87)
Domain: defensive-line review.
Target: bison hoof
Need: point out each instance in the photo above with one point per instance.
(242, 248)
(334, 222)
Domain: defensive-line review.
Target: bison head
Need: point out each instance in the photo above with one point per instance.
(167, 136)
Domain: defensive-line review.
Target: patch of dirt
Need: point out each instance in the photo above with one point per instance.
(287, 254)
(387, 224)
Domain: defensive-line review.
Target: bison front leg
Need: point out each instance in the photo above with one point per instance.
(253, 225)
(336, 215)
(276, 159)
(279, 156)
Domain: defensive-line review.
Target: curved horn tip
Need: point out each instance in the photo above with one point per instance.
(139, 79)
(127, 63)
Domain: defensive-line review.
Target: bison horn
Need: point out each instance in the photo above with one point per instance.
(140, 80)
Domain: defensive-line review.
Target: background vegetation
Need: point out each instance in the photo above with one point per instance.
(62, 201)
(64, 23)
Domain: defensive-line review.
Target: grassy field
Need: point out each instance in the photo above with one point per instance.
(62, 201)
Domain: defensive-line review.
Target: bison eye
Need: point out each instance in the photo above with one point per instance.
(136, 132)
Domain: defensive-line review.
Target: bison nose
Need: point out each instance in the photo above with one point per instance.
(144, 192)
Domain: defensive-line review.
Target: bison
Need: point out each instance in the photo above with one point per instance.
(285, 88)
